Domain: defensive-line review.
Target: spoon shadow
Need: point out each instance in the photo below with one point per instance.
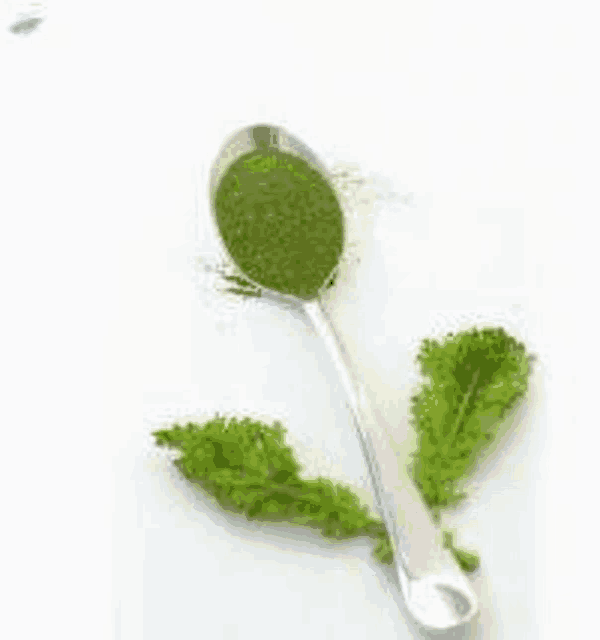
(25, 26)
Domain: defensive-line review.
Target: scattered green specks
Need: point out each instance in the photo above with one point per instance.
(244, 288)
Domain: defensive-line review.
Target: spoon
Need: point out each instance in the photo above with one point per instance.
(436, 591)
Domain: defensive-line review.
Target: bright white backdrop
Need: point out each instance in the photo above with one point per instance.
(475, 124)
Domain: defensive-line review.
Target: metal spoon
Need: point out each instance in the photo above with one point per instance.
(436, 592)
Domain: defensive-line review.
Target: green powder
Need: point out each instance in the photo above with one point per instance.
(281, 222)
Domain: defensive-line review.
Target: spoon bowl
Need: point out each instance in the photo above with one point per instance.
(268, 235)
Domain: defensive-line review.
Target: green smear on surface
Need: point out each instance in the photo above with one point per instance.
(281, 222)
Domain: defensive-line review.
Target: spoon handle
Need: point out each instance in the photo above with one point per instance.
(436, 591)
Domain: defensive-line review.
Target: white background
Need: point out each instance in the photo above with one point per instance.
(480, 120)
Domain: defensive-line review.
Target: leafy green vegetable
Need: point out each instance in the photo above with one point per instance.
(248, 468)
(473, 379)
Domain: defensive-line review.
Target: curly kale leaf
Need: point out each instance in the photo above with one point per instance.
(248, 468)
(474, 379)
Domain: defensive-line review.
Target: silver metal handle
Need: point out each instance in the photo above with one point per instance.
(436, 591)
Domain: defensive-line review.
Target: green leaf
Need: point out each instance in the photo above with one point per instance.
(472, 380)
(248, 468)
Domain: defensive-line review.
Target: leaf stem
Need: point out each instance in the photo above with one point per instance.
(463, 406)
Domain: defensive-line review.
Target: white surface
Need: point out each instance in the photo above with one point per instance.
(483, 118)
